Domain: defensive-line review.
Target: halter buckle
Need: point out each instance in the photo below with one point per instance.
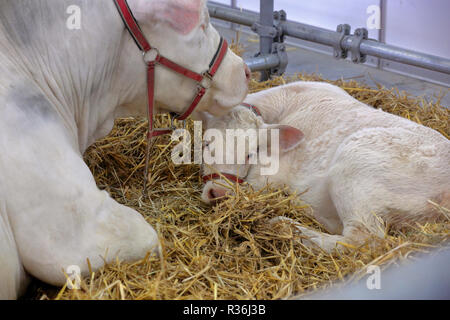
(207, 80)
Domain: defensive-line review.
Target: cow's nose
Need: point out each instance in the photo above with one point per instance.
(248, 72)
(215, 194)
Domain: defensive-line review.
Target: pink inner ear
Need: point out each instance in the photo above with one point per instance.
(182, 15)
(290, 137)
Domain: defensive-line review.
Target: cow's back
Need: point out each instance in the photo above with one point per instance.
(317, 107)
(327, 114)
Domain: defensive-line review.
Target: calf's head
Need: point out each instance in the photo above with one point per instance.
(181, 31)
(240, 147)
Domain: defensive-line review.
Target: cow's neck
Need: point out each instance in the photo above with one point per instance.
(80, 72)
(72, 69)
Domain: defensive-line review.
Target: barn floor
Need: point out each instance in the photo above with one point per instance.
(307, 61)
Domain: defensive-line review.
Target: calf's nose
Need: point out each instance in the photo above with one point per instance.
(214, 194)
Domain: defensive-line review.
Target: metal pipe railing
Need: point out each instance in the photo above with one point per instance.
(393, 53)
(266, 20)
(263, 62)
(332, 38)
(222, 12)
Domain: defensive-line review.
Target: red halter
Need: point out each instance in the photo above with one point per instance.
(253, 108)
(203, 80)
(217, 176)
(229, 176)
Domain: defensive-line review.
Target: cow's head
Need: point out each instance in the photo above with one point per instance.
(254, 159)
(181, 31)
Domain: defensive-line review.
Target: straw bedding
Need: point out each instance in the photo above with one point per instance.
(229, 251)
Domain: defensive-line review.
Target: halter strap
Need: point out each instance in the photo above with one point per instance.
(204, 80)
(132, 25)
(253, 108)
(217, 176)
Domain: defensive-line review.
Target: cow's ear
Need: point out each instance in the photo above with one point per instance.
(181, 15)
(289, 137)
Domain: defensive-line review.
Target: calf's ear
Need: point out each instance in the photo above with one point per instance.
(289, 137)
(181, 15)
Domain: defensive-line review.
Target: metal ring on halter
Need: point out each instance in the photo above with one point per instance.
(207, 80)
(146, 55)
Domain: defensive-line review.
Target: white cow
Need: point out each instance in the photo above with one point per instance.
(355, 163)
(61, 87)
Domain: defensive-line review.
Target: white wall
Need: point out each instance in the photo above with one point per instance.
(420, 25)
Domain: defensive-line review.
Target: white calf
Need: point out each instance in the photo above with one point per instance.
(356, 164)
